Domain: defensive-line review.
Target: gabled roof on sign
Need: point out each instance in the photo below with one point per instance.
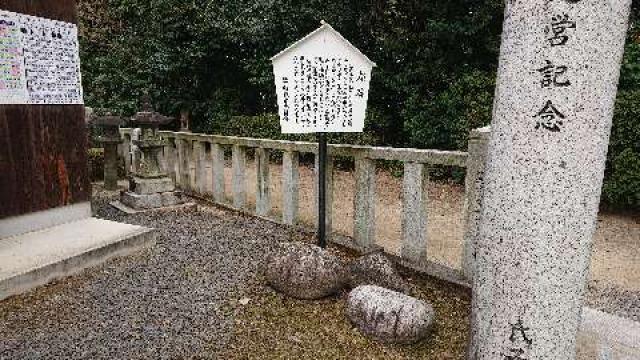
(325, 27)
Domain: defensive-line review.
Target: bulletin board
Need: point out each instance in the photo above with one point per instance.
(39, 61)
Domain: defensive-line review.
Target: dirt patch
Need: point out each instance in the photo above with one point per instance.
(616, 251)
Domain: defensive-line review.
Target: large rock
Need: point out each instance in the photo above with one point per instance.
(388, 315)
(376, 269)
(305, 271)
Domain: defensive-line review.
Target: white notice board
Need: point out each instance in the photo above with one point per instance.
(39, 61)
(322, 84)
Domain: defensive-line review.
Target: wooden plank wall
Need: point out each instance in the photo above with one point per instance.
(43, 157)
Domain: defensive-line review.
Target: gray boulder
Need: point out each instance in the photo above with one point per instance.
(388, 315)
(304, 271)
(376, 269)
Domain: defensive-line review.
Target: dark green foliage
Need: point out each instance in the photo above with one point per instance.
(622, 180)
(212, 57)
(434, 82)
(96, 164)
(268, 126)
(622, 187)
(95, 158)
(445, 121)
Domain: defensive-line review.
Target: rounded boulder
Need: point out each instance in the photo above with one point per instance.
(304, 271)
(376, 269)
(389, 316)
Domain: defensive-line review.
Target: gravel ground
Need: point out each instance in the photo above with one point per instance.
(614, 300)
(184, 298)
(176, 300)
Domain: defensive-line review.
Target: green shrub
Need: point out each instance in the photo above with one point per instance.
(622, 179)
(434, 81)
(622, 186)
(95, 157)
(445, 121)
(267, 126)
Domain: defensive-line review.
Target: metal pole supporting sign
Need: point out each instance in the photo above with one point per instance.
(322, 189)
(322, 84)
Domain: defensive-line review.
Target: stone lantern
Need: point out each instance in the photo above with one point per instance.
(149, 186)
(110, 139)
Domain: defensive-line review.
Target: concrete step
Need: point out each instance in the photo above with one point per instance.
(36, 258)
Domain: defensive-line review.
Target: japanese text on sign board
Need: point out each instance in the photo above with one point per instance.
(39, 61)
(322, 91)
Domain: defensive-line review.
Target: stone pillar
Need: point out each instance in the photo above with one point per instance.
(170, 156)
(263, 193)
(290, 187)
(200, 157)
(111, 165)
(184, 160)
(136, 155)
(126, 153)
(193, 171)
(556, 87)
(414, 212)
(364, 220)
(239, 181)
(474, 183)
(217, 158)
(163, 159)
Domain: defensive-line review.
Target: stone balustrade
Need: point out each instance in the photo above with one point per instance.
(189, 157)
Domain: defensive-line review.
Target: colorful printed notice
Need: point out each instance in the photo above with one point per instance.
(39, 61)
(12, 76)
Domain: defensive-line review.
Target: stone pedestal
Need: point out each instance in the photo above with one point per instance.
(150, 187)
(557, 80)
(110, 139)
(111, 165)
(145, 194)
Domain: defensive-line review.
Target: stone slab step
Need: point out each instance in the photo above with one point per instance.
(36, 258)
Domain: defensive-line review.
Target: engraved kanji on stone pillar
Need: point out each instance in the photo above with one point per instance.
(557, 82)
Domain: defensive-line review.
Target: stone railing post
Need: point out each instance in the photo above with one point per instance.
(126, 154)
(329, 195)
(239, 163)
(217, 159)
(193, 155)
(110, 165)
(414, 212)
(163, 157)
(170, 157)
(136, 154)
(478, 146)
(263, 194)
(163, 161)
(364, 205)
(184, 156)
(200, 157)
(290, 187)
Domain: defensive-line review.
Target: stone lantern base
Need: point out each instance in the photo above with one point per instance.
(146, 194)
